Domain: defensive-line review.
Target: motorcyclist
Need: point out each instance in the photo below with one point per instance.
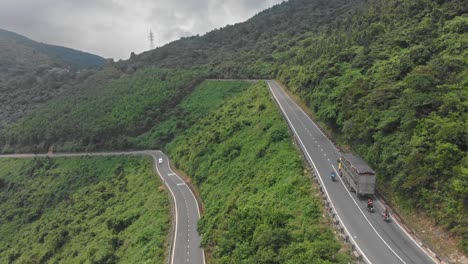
(385, 213)
(333, 175)
(370, 203)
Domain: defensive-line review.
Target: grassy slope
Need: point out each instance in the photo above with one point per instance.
(103, 118)
(73, 210)
(390, 80)
(259, 204)
(207, 97)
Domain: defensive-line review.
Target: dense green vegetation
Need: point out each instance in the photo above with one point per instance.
(106, 117)
(82, 210)
(207, 97)
(236, 48)
(392, 82)
(389, 78)
(259, 206)
(33, 73)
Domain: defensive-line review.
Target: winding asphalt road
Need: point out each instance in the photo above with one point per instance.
(377, 241)
(186, 240)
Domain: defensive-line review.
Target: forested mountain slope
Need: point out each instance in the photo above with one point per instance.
(31, 73)
(248, 41)
(389, 78)
(66, 56)
(104, 118)
(87, 209)
(259, 206)
(392, 82)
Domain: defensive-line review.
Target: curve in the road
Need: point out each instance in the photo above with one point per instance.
(376, 241)
(186, 240)
(186, 244)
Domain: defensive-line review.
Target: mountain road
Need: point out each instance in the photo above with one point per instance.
(375, 240)
(186, 240)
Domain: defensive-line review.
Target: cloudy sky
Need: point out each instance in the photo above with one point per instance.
(114, 28)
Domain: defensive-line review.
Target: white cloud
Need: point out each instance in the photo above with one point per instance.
(114, 28)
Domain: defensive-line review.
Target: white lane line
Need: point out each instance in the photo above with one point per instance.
(365, 217)
(198, 208)
(180, 184)
(338, 152)
(176, 214)
(346, 191)
(324, 187)
(320, 178)
(401, 227)
(150, 153)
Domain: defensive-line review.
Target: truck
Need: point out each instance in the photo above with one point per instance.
(357, 175)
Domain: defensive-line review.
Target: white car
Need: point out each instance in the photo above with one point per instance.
(160, 160)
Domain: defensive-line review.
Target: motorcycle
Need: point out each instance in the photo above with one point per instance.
(370, 207)
(386, 217)
(333, 176)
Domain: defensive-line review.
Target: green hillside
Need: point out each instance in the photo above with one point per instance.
(236, 48)
(392, 82)
(33, 73)
(206, 97)
(77, 210)
(70, 57)
(388, 79)
(216, 110)
(259, 206)
(104, 118)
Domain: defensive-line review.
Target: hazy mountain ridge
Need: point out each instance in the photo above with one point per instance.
(62, 55)
(31, 73)
(256, 36)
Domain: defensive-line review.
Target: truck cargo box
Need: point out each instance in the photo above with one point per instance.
(357, 174)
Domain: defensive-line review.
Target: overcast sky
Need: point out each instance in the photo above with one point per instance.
(114, 28)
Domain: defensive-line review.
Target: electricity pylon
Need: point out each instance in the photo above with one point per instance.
(151, 39)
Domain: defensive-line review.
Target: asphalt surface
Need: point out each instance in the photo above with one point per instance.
(186, 240)
(377, 241)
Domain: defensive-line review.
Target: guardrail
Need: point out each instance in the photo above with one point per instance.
(336, 220)
(331, 210)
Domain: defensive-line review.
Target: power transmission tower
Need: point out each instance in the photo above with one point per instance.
(151, 39)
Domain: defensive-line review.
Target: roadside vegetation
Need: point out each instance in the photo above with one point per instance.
(388, 78)
(82, 210)
(103, 118)
(207, 97)
(391, 82)
(259, 204)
